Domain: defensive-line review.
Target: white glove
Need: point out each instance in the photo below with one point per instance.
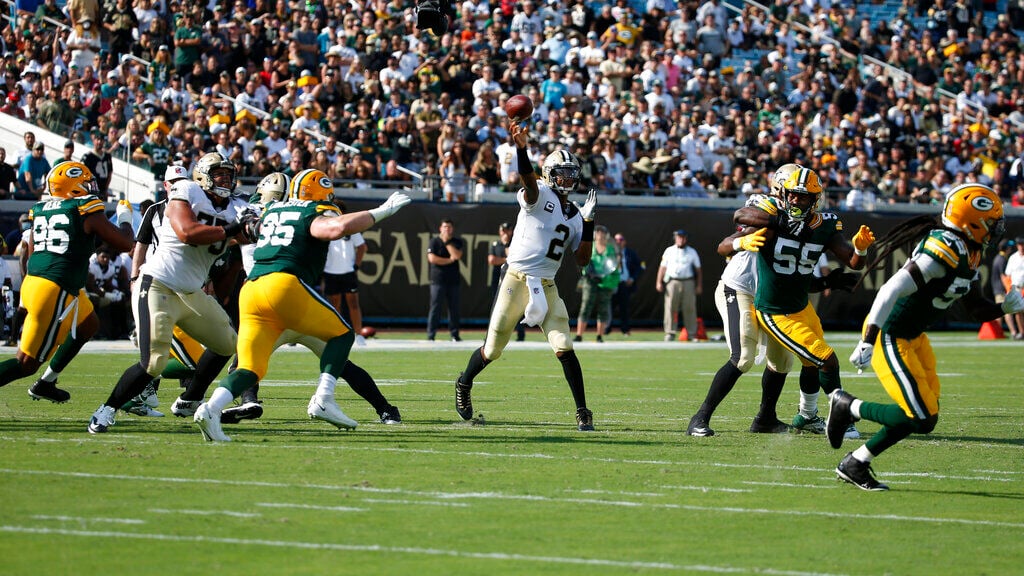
(123, 212)
(390, 206)
(1013, 303)
(115, 296)
(861, 357)
(590, 206)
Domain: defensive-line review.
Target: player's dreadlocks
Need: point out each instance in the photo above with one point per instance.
(905, 235)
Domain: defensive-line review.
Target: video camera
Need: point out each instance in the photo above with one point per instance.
(434, 15)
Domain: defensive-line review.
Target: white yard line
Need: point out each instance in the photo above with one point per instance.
(311, 507)
(189, 512)
(379, 548)
(88, 519)
(530, 498)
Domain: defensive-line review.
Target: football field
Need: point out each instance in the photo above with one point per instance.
(521, 491)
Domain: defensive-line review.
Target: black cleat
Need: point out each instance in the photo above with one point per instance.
(391, 416)
(777, 427)
(699, 427)
(245, 411)
(43, 390)
(859, 474)
(584, 420)
(839, 417)
(463, 399)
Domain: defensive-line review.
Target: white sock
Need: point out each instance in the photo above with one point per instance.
(863, 454)
(855, 408)
(220, 399)
(325, 387)
(50, 375)
(808, 404)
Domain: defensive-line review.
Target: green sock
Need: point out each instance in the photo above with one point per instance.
(239, 381)
(175, 370)
(10, 370)
(336, 354)
(885, 414)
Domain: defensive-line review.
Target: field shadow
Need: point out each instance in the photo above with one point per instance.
(980, 439)
(982, 494)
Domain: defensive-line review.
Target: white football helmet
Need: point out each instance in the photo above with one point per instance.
(203, 174)
(561, 170)
(272, 188)
(779, 178)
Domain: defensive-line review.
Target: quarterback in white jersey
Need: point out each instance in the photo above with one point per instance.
(548, 226)
(200, 218)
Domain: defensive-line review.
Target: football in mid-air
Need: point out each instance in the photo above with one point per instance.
(519, 108)
(368, 332)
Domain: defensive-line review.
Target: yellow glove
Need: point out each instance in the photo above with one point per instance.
(862, 240)
(751, 242)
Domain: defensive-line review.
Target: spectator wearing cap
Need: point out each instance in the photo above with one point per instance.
(592, 54)
(557, 47)
(552, 90)
(84, 42)
(32, 174)
(155, 151)
(12, 106)
(680, 279)
(658, 95)
(100, 162)
(161, 68)
(180, 97)
(69, 151)
(694, 148)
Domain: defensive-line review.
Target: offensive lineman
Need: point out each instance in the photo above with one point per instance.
(941, 270)
(200, 219)
(62, 237)
(279, 295)
(548, 226)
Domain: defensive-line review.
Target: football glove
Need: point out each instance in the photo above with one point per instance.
(589, 208)
(751, 242)
(393, 204)
(251, 223)
(123, 212)
(861, 357)
(1013, 303)
(863, 239)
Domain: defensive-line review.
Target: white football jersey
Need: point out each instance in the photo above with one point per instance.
(341, 254)
(180, 266)
(543, 234)
(740, 273)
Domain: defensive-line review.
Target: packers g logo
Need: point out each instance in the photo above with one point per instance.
(326, 182)
(982, 204)
(74, 172)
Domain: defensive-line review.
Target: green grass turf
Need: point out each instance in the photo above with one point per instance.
(524, 493)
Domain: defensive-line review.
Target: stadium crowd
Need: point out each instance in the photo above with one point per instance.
(689, 98)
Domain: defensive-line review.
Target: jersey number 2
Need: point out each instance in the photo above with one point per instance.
(557, 246)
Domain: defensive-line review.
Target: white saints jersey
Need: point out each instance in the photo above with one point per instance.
(740, 273)
(177, 265)
(543, 234)
(341, 254)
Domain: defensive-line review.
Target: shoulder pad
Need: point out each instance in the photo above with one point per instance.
(944, 246)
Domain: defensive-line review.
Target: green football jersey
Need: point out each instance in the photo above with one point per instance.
(913, 314)
(785, 264)
(285, 244)
(60, 245)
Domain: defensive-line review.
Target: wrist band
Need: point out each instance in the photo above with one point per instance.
(737, 245)
(588, 231)
(860, 252)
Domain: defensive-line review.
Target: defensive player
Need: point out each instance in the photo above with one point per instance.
(200, 218)
(273, 188)
(941, 270)
(548, 226)
(63, 235)
(734, 298)
(797, 234)
(279, 295)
